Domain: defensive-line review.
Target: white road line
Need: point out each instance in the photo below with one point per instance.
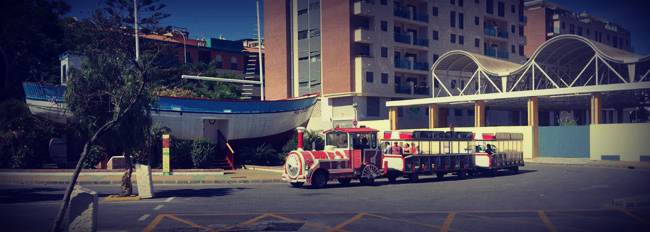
(158, 207)
(144, 217)
(170, 199)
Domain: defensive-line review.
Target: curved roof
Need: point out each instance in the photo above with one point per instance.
(458, 60)
(563, 49)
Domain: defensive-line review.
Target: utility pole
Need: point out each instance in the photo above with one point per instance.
(135, 26)
(259, 52)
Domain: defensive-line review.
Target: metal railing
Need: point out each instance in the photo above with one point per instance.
(421, 42)
(403, 89)
(223, 145)
(402, 12)
(424, 66)
(421, 90)
(421, 18)
(402, 38)
(403, 63)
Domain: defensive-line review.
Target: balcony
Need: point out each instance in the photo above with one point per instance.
(495, 32)
(364, 7)
(496, 53)
(424, 66)
(403, 89)
(402, 63)
(363, 35)
(421, 17)
(402, 12)
(421, 42)
(402, 38)
(421, 90)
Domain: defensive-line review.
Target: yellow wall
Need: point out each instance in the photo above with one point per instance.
(381, 125)
(628, 140)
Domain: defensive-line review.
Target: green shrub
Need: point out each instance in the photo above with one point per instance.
(202, 153)
(95, 155)
(180, 153)
(263, 154)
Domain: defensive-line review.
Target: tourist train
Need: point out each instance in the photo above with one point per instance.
(356, 153)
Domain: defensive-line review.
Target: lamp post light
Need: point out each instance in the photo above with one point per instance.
(184, 45)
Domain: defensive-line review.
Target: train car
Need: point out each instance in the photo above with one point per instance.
(441, 153)
(350, 153)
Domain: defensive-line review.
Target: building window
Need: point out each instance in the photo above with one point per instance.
(400, 112)
(435, 35)
(489, 6)
(204, 57)
(435, 57)
(476, 1)
(233, 62)
(501, 10)
(512, 8)
(452, 2)
(372, 106)
(452, 19)
(477, 42)
(460, 3)
(384, 52)
(384, 78)
(384, 2)
(219, 61)
(458, 112)
(579, 30)
(453, 84)
(588, 32)
(369, 77)
(521, 50)
(512, 29)
(461, 20)
(476, 20)
(512, 49)
(452, 38)
(572, 29)
(521, 30)
(302, 34)
(435, 11)
(461, 39)
(384, 25)
(302, 12)
(563, 26)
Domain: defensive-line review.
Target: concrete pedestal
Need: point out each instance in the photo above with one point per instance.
(82, 212)
(144, 181)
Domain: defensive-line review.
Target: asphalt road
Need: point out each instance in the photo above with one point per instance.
(540, 198)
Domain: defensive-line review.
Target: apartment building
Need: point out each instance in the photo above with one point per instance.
(547, 20)
(359, 54)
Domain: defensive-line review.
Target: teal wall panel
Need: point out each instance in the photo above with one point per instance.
(564, 141)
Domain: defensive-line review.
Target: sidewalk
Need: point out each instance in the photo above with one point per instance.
(106, 177)
(589, 163)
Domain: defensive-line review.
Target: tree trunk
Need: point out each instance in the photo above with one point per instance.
(127, 186)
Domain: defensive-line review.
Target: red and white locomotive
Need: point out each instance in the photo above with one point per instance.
(350, 153)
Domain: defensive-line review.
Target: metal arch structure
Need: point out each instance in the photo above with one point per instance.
(565, 64)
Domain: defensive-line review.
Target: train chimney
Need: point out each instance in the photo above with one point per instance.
(301, 131)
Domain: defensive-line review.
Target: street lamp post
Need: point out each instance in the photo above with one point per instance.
(184, 45)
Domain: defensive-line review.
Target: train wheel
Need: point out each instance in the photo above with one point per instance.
(392, 177)
(414, 177)
(319, 180)
(297, 184)
(514, 169)
(440, 175)
(344, 181)
(461, 174)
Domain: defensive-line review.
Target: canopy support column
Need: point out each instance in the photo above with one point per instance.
(595, 109)
(479, 113)
(392, 117)
(533, 122)
(433, 116)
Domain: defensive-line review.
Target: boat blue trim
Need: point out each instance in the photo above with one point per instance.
(45, 92)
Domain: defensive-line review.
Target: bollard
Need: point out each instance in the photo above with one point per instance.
(165, 155)
(144, 181)
(82, 213)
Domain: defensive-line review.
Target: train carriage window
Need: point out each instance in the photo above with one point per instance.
(337, 139)
(364, 141)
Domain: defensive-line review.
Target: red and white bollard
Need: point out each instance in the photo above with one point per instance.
(301, 131)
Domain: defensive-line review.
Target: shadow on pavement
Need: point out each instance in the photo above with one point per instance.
(208, 192)
(26, 195)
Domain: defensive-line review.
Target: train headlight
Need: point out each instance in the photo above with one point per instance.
(293, 165)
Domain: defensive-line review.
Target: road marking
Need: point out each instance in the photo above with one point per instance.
(158, 207)
(143, 217)
(549, 226)
(404, 221)
(190, 223)
(349, 221)
(170, 199)
(448, 221)
(154, 223)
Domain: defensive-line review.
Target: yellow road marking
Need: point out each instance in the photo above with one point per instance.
(549, 226)
(190, 223)
(154, 223)
(349, 221)
(448, 221)
(405, 221)
(628, 213)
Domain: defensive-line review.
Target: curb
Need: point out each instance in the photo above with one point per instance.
(171, 182)
(630, 166)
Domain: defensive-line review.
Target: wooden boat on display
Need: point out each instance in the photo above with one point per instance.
(190, 118)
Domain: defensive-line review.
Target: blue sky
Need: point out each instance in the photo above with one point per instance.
(235, 19)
